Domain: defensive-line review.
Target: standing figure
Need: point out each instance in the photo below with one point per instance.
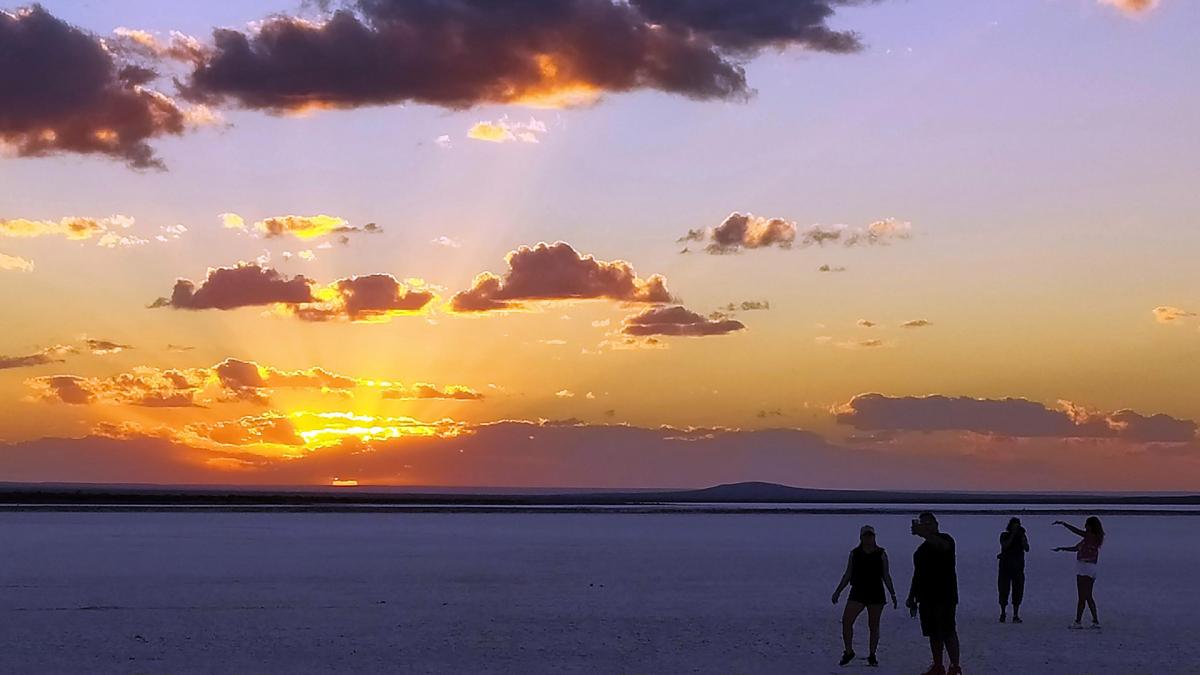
(1011, 573)
(1087, 559)
(934, 593)
(867, 574)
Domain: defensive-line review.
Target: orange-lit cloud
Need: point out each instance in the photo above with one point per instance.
(374, 297)
(65, 91)
(1131, 6)
(262, 450)
(677, 321)
(916, 323)
(557, 272)
(461, 54)
(74, 228)
(244, 285)
(504, 131)
(422, 390)
(1008, 417)
(102, 347)
(1165, 314)
(41, 357)
(12, 263)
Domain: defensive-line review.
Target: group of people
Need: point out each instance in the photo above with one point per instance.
(933, 594)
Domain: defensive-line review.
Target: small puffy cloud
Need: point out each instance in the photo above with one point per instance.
(740, 231)
(916, 323)
(446, 242)
(549, 272)
(105, 230)
(564, 393)
(232, 221)
(505, 131)
(66, 91)
(1166, 314)
(423, 391)
(443, 141)
(302, 227)
(829, 268)
(244, 285)
(374, 297)
(101, 347)
(1008, 417)
(1132, 7)
(41, 357)
(677, 321)
(179, 348)
(12, 263)
(866, 323)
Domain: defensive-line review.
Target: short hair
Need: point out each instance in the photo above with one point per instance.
(926, 515)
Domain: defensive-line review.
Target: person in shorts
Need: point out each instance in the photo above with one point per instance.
(1087, 561)
(866, 574)
(934, 593)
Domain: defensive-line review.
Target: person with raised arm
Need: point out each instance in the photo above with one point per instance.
(934, 593)
(1087, 560)
(866, 574)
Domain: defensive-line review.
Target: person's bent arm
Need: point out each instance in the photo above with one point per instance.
(845, 579)
(887, 580)
(1025, 541)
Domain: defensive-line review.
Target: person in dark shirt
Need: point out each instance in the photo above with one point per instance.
(934, 593)
(866, 574)
(1011, 572)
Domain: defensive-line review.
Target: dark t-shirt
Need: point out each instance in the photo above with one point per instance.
(1012, 549)
(934, 577)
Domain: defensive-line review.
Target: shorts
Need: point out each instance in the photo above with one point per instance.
(937, 619)
(868, 596)
(1084, 568)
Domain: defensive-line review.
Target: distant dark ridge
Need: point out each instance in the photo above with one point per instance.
(750, 492)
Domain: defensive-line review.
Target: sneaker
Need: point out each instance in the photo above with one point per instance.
(935, 669)
(872, 661)
(847, 657)
(1017, 619)
(1003, 617)
(1075, 626)
(954, 670)
(1095, 625)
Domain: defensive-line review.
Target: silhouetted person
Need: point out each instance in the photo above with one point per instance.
(1087, 558)
(1011, 573)
(934, 593)
(866, 573)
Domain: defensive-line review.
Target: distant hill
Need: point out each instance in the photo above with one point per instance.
(13, 495)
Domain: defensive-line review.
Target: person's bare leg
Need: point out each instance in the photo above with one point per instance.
(935, 646)
(952, 648)
(1080, 581)
(1089, 585)
(874, 612)
(849, 616)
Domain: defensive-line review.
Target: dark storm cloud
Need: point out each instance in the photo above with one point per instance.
(62, 91)
(1008, 417)
(467, 52)
(246, 285)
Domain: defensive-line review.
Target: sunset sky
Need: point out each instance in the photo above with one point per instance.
(830, 243)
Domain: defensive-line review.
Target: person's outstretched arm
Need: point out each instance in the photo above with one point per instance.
(845, 578)
(1070, 527)
(1068, 548)
(887, 580)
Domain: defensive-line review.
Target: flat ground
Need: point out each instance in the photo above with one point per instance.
(530, 593)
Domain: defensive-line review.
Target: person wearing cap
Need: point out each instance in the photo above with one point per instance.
(866, 574)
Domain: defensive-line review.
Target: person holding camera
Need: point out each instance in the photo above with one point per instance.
(1011, 574)
(934, 593)
(866, 574)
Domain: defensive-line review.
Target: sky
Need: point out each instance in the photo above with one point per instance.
(579, 243)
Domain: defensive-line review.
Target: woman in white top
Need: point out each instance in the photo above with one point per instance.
(1087, 559)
